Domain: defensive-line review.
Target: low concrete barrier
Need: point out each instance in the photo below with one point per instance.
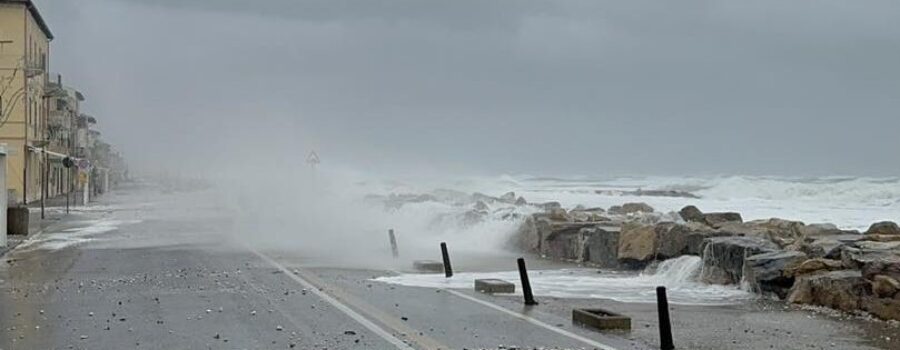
(601, 319)
(428, 266)
(493, 285)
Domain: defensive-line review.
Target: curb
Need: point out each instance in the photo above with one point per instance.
(12, 245)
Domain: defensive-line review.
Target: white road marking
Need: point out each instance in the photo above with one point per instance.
(390, 338)
(533, 321)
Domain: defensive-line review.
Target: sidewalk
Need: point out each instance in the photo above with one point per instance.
(55, 216)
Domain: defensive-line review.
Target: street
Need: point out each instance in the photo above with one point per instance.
(152, 268)
(129, 273)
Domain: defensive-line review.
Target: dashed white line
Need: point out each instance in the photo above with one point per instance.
(533, 321)
(390, 338)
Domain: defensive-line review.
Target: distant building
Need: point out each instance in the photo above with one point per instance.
(25, 91)
(62, 126)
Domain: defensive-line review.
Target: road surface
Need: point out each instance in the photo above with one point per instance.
(143, 268)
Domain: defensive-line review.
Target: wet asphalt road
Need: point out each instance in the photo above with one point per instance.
(133, 271)
(148, 269)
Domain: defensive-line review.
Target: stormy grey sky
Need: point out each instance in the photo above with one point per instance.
(539, 87)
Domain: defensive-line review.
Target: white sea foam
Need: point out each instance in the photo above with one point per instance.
(677, 275)
(849, 202)
(85, 232)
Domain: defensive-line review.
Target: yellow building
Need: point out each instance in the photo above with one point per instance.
(24, 94)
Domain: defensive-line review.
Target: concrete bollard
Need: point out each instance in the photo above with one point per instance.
(393, 243)
(448, 271)
(665, 324)
(526, 285)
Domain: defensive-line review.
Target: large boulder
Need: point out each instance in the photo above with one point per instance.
(742, 229)
(563, 245)
(884, 308)
(580, 216)
(529, 236)
(601, 246)
(767, 272)
(782, 227)
(813, 265)
(630, 208)
(674, 240)
(858, 254)
(782, 232)
(884, 228)
(887, 266)
(828, 246)
(718, 219)
(643, 218)
(819, 230)
(885, 286)
(637, 244)
(691, 214)
(842, 290)
(562, 239)
(882, 238)
(821, 248)
(558, 214)
(723, 257)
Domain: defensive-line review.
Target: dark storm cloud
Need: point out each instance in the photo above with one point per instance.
(587, 87)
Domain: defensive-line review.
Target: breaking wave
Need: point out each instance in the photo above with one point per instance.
(837, 190)
(848, 202)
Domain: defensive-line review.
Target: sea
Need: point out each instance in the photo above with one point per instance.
(851, 203)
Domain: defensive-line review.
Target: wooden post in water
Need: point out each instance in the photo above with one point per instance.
(526, 285)
(448, 271)
(665, 324)
(393, 239)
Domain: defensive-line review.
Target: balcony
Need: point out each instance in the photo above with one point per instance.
(34, 69)
(59, 120)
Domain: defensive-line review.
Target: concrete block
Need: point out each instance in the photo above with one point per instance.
(600, 319)
(492, 286)
(17, 221)
(601, 246)
(428, 266)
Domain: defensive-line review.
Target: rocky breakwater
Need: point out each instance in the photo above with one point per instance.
(592, 236)
(815, 264)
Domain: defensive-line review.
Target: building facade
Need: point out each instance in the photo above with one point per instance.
(62, 126)
(25, 91)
